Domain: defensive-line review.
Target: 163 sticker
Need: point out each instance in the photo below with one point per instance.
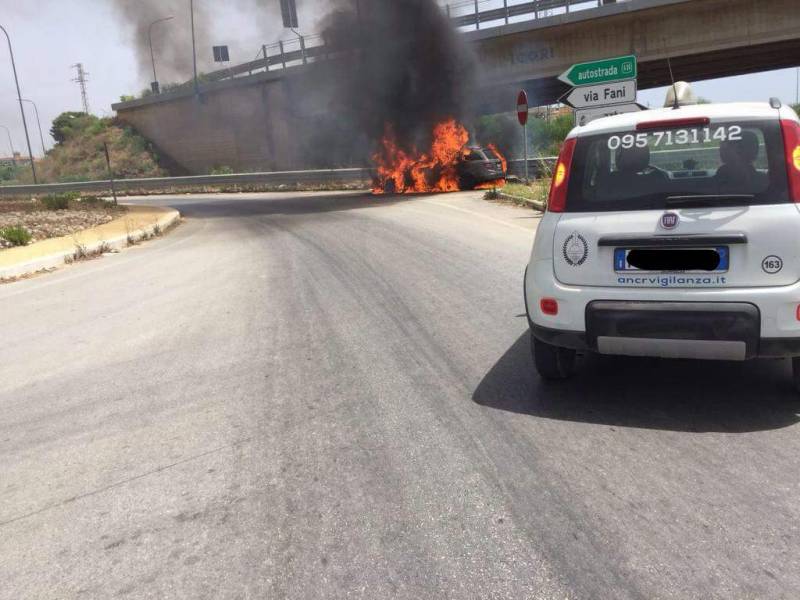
(772, 264)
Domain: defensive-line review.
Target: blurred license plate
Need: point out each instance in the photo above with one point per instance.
(621, 263)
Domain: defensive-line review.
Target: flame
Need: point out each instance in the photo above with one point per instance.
(502, 158)
(488, 185)
(432, 171)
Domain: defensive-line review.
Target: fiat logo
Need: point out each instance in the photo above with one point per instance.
(669, 220)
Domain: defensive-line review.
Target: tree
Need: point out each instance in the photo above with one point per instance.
(68, 122)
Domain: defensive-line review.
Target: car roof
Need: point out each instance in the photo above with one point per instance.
(716, 112)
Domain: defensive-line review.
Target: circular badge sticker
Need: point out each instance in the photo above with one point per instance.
(575, 249)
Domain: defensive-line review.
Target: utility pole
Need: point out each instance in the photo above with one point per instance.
(194, 51)
(21, 108)
(81, 80)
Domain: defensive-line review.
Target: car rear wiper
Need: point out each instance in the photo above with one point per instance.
(701, 200)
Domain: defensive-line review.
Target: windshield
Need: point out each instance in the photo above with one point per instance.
(722, 164)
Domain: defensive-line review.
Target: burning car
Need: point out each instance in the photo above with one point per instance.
(449, 165)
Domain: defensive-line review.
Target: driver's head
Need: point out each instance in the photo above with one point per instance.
(739, 152)
(632, 160)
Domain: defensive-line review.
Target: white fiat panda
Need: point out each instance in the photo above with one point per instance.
(671, 233)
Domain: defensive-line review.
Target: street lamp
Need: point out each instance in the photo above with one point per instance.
(21, 109)
(39, 124)
(11, 145)
(154, 85)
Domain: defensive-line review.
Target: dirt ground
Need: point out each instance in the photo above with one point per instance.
(44, 224)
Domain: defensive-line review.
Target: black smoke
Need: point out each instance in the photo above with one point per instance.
(402, 65)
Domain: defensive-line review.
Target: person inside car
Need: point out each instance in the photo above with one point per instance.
(634, 172)
(738, 173)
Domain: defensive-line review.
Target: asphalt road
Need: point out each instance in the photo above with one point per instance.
(331, 396)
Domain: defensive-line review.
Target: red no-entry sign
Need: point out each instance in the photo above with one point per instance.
(522, 107)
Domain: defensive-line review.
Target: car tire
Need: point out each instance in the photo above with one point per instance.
(552, 362)
(796, 372)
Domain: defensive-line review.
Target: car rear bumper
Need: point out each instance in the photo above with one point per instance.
(777, 306)
(697, 330)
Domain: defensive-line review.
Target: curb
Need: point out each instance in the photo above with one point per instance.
(532, 203)
(114, 235)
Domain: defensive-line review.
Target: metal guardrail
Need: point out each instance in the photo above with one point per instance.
(321, 176)
(541, 166)
(312, 47)
(538, 8)
(537, 167)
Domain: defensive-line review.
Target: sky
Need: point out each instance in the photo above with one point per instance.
(49, 36)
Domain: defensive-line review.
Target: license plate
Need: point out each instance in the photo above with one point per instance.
(621, 263)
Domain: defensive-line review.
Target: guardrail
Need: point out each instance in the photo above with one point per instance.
(541, 166)
(537, 8)
(537, 167)
(319, 176)
(310, 48)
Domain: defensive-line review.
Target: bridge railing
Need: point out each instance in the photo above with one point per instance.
(474, 13)
(463, 13)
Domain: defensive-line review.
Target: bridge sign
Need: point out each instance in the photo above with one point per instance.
(602, 94)
(601, 71)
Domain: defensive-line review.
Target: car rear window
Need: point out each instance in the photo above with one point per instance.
(730, 164)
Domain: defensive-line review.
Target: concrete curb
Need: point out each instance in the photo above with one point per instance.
(138, 223)
(532, 203)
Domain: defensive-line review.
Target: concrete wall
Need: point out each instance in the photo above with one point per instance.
(245, 127)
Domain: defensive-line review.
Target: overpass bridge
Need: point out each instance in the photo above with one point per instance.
(256, 115)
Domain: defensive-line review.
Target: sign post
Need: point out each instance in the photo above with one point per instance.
(601, 71)
(522, 116)
(602, 88)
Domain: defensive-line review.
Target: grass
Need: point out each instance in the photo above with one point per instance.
(59, 201)
(18, 236)
(537, 190)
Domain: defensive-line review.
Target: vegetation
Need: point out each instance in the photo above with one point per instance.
(79, 156)
(16, 235)
(544, 135)
(9, 173)
(59, 201)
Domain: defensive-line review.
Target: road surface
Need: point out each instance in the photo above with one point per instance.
(331, 396)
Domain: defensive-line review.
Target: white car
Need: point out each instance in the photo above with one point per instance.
(671, 233)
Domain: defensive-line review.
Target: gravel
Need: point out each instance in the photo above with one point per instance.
(44, 224)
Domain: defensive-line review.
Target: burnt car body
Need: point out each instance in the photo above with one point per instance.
(478, 165)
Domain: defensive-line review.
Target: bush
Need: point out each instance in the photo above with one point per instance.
(59, 201)
(221, 170)
(18, 236)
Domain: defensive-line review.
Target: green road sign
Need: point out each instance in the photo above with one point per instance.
(601, 71)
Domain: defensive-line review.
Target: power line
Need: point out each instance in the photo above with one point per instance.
(81, 80)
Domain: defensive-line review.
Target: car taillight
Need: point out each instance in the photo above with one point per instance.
(557, 201)
(791, 144)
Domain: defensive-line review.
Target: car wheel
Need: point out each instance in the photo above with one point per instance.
(552, 362)
(796, 372)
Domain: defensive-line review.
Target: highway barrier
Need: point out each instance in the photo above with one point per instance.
(539, 167)
(314, 177)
